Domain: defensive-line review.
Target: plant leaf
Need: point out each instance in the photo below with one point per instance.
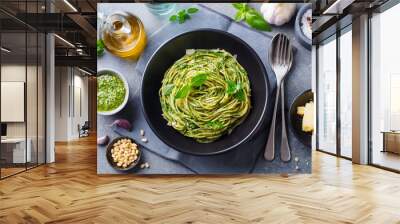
(199, 79)
(173, 18)
(187, 16)
(192, 10)
(100, 47)
(256, 21)
(239, 6)
(240, 95)
(231, 87)
(183, 92)
(181, 18)
(240, 15)
(181, 12)
(168, 89)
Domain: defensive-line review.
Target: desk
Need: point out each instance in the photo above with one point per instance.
(391, 141)
(18, 151)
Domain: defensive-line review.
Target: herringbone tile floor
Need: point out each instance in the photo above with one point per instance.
(70, 191)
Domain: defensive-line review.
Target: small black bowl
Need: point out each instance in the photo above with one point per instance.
(174, 49)
(296, 120)
(111, 161)
(300, 36)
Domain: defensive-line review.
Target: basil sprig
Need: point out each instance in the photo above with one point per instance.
(100, 47)
(251, 16)
(236, 90)
(183, 15)
(198, 80)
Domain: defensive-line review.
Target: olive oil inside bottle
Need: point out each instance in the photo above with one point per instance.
(124, 35)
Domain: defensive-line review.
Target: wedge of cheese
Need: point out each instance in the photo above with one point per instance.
(308, 118)
(300, 111)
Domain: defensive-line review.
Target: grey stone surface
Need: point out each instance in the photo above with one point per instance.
(164, 160)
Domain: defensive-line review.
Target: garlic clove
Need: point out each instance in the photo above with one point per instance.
(278, 13)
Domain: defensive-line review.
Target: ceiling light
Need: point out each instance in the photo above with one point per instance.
(70, 5)
(65, 41)
(84, 71)
(5, 50)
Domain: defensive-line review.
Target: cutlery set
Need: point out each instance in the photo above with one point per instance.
(280, 59)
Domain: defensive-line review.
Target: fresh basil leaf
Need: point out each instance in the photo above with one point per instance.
(173, 18)
(252, 17)
(168, 89)
(240, 15)
(182, 12)
(192, 10)
(240, 95)
(256, 21)
(199, 79)
(239, 6)
(181, 18)
(187, 16)
(231, 87)
(238, 86)
(100, 47)
(183, 15)
(183, 92)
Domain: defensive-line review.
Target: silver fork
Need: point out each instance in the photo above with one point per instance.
(280, 59)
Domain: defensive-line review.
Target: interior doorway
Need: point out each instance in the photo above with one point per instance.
(75, 104)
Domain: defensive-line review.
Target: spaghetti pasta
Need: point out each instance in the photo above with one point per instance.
(205, 94)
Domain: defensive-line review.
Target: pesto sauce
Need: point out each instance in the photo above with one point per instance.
(110, 92)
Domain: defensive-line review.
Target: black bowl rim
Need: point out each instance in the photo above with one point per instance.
(304, 41)
(111, 163)
(291, 119)
(260, 120)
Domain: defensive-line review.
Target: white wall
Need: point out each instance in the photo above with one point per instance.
(16, 73)
(70, 83)
(33, 126)
(61, 103)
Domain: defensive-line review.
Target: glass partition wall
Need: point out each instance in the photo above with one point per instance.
(327, 95)
(385, 89)
(345, 92)
(334, 85)
(22, 77)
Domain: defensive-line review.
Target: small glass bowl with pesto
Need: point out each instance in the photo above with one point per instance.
(112, 92)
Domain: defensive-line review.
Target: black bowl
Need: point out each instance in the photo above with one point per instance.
(111, 161)
(300, 36)
(173, 50)
(296, 121)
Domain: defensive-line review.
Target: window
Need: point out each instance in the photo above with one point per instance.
(385, 89)
(327, 96)
(346, 93)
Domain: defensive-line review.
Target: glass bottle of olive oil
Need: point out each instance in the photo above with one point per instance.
(123, 34)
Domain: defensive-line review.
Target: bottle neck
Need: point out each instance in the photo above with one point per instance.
(119, 27)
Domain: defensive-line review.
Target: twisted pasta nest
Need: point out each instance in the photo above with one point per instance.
(205, 94)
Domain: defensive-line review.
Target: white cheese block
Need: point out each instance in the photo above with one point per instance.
(308, 118)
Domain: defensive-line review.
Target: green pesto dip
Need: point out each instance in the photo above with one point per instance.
(110, 92)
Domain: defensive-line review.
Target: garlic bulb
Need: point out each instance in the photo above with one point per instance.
(278, 13)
